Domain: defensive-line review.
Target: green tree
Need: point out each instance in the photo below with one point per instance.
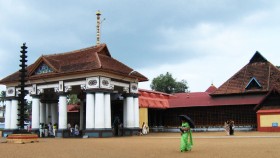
(72, 99)
(167, 84)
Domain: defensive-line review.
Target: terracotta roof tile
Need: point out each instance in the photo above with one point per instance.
(96, 58)
(267, 75)
(196, 99)
(73, 108)
(211, 89)
(153, 99)
(272, 97)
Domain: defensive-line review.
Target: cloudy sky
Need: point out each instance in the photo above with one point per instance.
(201, 41)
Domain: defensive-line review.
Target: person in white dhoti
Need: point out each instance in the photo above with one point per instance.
(226, 127)
(76, 130)
(50, 129)
(144, 129)
(41, 130)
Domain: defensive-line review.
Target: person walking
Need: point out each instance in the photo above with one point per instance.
(186, 137)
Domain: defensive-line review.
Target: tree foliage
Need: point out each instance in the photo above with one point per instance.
(167, 84)
(72, 99)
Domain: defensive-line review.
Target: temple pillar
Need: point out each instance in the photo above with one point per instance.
(90, 110)
(107, 110)
(131, 114)
(136, 111)
(14, 114)
(98, 114)
(99, 110)
(42, 112)
(129, 108)
(35, 112)
(8, 114)
(62, 108)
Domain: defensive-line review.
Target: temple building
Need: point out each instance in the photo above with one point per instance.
(98, 79)
(109, 96)
(250, 98)
(107, 90)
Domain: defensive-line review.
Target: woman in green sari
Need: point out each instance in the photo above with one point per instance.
(186, 137)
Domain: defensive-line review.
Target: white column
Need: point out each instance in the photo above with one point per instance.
(99, 110)
(53, 113)
(8, 114)
(35, 112)
(107, 107)
(62, 108)
(42, 112)
(89, 111)
(130, 112)
(48, 113)
(14, 114)
(136, 112)
(81, 115)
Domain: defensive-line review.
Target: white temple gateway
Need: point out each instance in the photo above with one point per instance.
(106, 87)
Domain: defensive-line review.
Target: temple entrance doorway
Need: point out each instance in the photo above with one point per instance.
(74, 109)
(117, 115)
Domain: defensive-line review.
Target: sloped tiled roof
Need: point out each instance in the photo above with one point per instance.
(95, 58)
(211, 89)
(201, 99)
(267, 75)
(153, 99)
(270, 101)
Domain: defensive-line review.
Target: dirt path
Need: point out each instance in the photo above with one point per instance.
(207, 144)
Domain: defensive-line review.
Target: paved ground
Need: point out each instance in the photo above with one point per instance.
(207, 144)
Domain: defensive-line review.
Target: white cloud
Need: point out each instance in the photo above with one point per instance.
(220, 50)
(200, 73)
(208, 41)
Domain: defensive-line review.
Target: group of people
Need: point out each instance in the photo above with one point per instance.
(48, 130)
(229, 127)
(73, 131)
